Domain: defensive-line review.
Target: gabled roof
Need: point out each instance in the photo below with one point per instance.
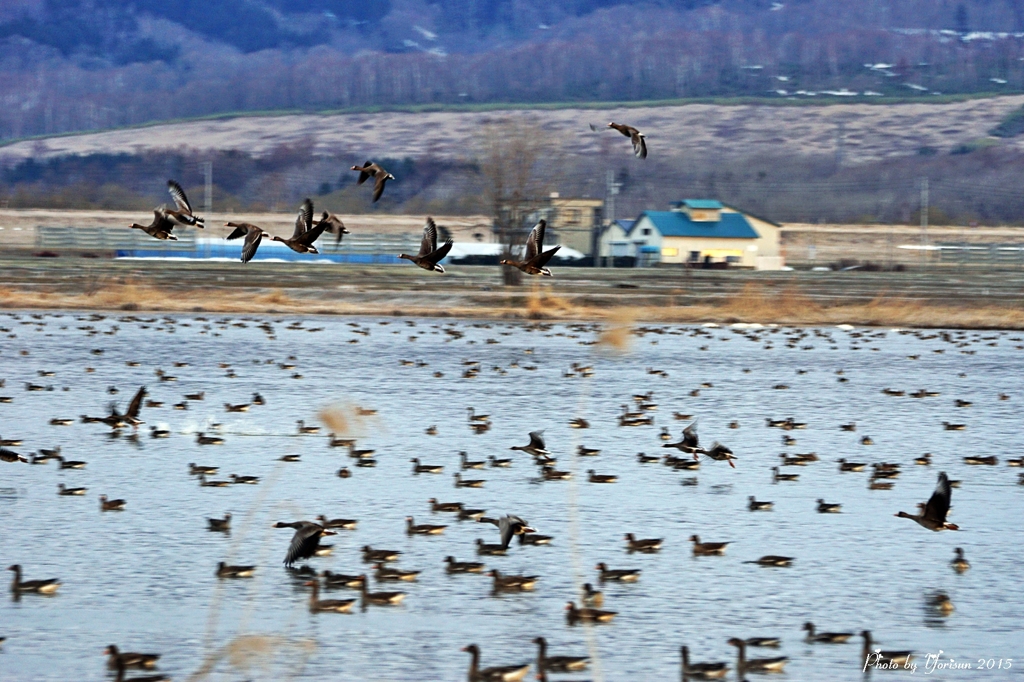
(698, 203)
(678, 224)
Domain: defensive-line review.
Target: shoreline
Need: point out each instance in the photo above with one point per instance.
(751, 306)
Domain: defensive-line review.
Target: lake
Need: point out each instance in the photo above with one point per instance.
(144, 578)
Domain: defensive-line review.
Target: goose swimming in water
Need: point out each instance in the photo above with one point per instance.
(41, 586)
(501, 673)
(704, 671)
(744, 665)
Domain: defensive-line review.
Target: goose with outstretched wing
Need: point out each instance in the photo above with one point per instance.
(430, 256)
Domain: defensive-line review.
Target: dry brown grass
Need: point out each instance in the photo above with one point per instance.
(752, 304)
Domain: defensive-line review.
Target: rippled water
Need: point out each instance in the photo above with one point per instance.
(144, 578)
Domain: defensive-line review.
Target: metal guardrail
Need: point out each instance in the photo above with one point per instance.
(371, 244)
(107, 239)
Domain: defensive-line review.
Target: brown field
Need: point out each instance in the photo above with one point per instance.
(872, 131)
(972, 299)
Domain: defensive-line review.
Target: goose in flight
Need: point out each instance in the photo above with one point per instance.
(306, 540)
(372, 170)
(253, 236)
(430, 255)
(183, 213)
(638, 139)
(160, 228)
(934, 515)
(306, 233)
(536, 258)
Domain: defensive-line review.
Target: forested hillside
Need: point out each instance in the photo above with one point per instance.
(70, 65)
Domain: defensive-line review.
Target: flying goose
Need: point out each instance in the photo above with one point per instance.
(334, 226)
(41, 586)
(305, 234)
(744, 665)
(430, 256)
(318, 605)
(704, 671)
(536, 258)
(501, 673)
(381, 176)
(11, 456)
(183, 213)
(535, 447)
(510, 525)
(558, 664)
(160, 228)
(306, 540)
(690, 440)
(934, 515)
(253, 235)
(719, 453)
(637, 138)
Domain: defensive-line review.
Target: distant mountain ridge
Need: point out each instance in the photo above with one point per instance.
(73, 65)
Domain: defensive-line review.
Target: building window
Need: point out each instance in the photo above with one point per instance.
(572, 217)
(646, 231)
(669, 251)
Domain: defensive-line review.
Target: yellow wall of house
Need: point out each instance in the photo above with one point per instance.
(677, 249)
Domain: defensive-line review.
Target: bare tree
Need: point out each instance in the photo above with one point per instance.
(510, 159)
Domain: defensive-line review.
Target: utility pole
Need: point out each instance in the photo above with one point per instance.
(208, 181)
(924, 218)
(840, 134)
(612, 189)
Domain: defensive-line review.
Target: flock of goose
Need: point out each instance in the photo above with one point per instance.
(511, 532)
(307, 232)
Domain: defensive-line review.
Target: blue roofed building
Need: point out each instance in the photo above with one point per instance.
(704, 232)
